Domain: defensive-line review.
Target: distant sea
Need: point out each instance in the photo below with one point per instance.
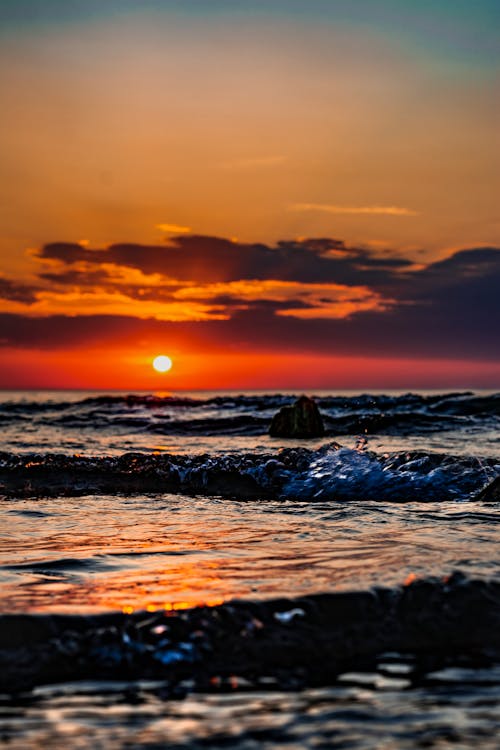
(135, 524)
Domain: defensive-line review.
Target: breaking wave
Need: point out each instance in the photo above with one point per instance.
(332, 472)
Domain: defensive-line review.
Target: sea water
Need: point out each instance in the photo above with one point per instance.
(388, 496)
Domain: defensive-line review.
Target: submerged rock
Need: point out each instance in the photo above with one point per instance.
(299, 420)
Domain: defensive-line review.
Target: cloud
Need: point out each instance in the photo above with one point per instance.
(295, 300)
(114, 289)
(81, 290)
(17, 292)
(438, 330)
(144, 306)
(202, 259)
(312, 295)
(173, 228)
(319, 277)
(358, 210)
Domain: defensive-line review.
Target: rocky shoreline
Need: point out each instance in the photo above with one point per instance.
(282, 642)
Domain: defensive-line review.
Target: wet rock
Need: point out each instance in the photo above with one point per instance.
(490, 493)
(299, 420)
(331, 472)
(311, 639)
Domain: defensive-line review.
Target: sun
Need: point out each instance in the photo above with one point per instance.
(162, 363)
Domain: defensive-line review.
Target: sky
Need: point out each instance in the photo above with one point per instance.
(275, 194)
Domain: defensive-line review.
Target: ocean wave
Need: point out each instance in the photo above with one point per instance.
(250, 415)
(295, 642)
(332, 472)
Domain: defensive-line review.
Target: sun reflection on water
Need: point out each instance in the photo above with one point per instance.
(173, 606)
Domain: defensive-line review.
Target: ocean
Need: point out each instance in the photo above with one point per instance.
(171, 576)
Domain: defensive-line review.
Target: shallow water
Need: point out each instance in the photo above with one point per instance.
(97, 553)
(456, 708)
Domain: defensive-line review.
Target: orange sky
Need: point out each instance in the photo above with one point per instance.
(133, 124)
(117, 369)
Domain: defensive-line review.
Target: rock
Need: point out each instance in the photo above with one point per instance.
(490, 493)
(300, 420)
(312, 638)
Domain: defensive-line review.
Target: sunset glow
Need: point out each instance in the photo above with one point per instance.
(262, 183)
(249, 372)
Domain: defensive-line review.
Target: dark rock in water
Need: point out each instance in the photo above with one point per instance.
(300, 420)
(490, 493)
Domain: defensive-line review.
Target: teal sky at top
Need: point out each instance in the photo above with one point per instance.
(461, 31)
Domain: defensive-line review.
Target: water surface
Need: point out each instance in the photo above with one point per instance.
(98, 553)
(395, 505)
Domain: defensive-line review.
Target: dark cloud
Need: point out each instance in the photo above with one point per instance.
(11, 290)
(212, 259)
(447, 309)
(438, 330)
(75, 277)
(88, 280)
(66, 332)
(468, 280)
